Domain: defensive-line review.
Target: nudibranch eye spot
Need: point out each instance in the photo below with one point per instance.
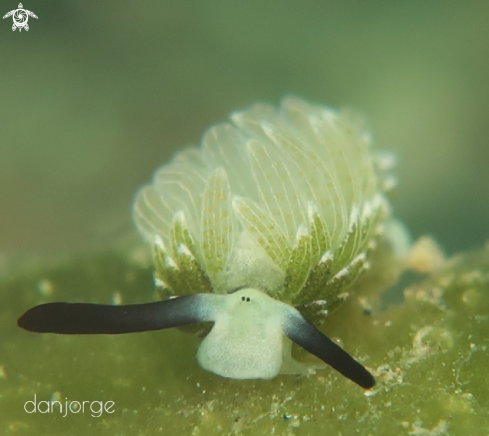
(290, 201)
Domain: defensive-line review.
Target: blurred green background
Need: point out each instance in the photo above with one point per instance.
(98, 94)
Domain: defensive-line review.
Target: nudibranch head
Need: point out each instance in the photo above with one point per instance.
(246, 340)
(289, 200)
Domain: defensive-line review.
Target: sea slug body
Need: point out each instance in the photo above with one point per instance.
(289, 200)
(259, 229)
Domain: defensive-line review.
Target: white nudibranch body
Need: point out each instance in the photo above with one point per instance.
(287, 201)
(246, 341)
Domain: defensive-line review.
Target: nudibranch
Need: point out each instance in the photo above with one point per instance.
(262, 226)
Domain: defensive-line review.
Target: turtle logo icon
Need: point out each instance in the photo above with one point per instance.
(20, 17)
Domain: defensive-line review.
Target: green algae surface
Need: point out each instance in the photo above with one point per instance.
(429, 355)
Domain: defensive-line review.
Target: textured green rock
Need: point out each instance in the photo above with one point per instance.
(430, 356)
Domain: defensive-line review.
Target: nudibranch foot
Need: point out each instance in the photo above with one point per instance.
(291, 366)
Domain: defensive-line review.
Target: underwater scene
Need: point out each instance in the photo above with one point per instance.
(244, 218)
